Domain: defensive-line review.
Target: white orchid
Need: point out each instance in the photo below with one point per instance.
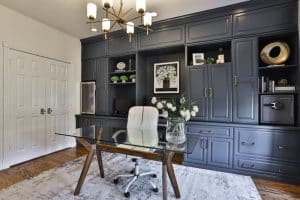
(165, 114)
(182, 113)
(154, 100)
(193, 113)
(173, 109)
(159, 105)
(182, 100)
(169, 105)
(187, 115)
(196, 109)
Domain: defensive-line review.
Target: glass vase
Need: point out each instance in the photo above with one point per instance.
(176, 131)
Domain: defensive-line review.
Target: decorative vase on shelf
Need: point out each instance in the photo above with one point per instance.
(176, 130)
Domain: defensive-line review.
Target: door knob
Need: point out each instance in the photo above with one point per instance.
(42, 111)
(49, 110)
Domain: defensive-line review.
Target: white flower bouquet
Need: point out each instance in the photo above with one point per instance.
(178, 108)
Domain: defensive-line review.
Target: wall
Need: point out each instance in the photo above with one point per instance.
(24, 33)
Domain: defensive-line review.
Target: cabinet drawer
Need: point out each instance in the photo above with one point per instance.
(121, 45)
(267, 167)
(210, 29)
(283, 145)
(274, 18)
(225, 132)
(162, 37)
(254, 142)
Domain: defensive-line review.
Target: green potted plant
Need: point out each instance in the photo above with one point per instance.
(132, 77)
(115, 79)
(124, 78)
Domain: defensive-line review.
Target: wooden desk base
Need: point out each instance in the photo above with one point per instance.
(165, 156)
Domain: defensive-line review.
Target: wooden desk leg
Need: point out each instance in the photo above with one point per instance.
(86, 165)
(100, 163)
(164, 175)
(172, 175)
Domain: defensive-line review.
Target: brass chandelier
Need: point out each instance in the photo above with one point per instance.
(119, 17)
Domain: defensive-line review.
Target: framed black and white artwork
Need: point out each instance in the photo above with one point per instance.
(166, 77)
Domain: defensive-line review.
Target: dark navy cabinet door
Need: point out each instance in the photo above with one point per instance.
(198, 89)
(275, 18)
(122, 45)
(94, 50)
(245, 81)
(88, 72)
(101, 86)
(162, 37)
(220, 92)
(210, 29)
(220, 152)
(199, 153)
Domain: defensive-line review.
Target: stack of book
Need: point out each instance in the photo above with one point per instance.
(268, 86)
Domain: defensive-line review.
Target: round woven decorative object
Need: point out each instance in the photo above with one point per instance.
(282, 57)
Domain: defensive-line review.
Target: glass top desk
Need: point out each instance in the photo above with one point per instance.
(144, 143)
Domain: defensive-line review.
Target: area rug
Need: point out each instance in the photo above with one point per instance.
(195, 184)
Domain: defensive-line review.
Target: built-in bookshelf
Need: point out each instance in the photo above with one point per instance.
(279, 79)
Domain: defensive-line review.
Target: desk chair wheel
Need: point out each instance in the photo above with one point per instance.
(154, 176)
(127, 194)
(132, 172)
(154, 189)
(116, 181)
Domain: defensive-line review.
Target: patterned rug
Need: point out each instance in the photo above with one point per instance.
(195, 184)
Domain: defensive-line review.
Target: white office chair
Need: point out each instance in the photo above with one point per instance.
(141, 131)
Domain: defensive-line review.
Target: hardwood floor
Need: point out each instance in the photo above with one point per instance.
(269, 190)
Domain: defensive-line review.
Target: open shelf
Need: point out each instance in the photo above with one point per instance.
(277, 93)
(123, 72)
(285, 67)
(127, 83)
(208, 64)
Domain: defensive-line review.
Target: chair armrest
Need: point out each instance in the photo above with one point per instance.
(115, 135)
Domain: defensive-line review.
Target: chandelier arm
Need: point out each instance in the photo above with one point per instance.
(122, 27)
(99, 21)
(112, 13)
(121, 7)
(128, 11)
(112, 26)
(134, 18)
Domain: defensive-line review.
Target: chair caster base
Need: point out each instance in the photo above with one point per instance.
(154, 176)
(116, 181)
(154, 189)
(127, 194)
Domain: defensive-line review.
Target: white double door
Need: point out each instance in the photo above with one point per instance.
(36, 106)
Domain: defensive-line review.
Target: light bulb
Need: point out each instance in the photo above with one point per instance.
(107, 3)
(141, 6)
(130, 27)
(91, 10)
(105, 24)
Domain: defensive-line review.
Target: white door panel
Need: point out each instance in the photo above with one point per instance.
(34, 83)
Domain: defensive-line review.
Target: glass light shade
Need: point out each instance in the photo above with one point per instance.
(107, 3)
(130, 27)
(91, 10)
(140, 6)
(105, 24)
(93, 29)
(147, 19)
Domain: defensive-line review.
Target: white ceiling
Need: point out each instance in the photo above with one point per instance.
(69, 16)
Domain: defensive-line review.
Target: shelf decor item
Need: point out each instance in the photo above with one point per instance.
(115, 79)
(281, 49)
(198, 59)
(121, 66)
(166, 77)
(221, 57)
(119, 16)
(132, 77)
(209, 60)
(124, 78)
(177, 112)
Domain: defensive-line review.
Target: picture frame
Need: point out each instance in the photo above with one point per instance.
(198, 59)
(166, 78)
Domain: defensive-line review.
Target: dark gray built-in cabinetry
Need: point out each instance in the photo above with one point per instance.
(231, 135)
